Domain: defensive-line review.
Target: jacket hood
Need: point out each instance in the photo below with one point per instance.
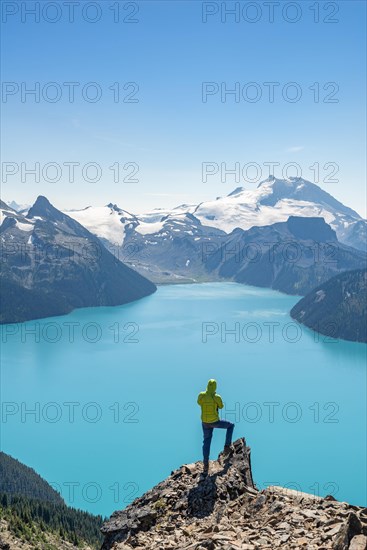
(211, 387)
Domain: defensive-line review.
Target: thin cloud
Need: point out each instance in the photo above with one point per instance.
(295, 149)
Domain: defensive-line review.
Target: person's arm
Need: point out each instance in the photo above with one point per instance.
(200, 398)
(218, 400)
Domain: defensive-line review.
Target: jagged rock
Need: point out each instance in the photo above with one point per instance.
(352, 527)
(261, 499)
(225, 511)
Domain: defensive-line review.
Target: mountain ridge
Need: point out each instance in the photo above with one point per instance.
(274, 200)
(52, 265)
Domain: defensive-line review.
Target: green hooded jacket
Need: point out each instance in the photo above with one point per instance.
(210, 402)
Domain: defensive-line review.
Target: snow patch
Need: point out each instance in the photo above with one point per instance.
(147, 228)
(103, 221)
(320, 295)
(24, 226)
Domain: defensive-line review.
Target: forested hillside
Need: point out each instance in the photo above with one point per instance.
(32, 512)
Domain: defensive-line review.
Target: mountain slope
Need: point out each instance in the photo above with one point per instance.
(225, 511)
(172, 253)
(8, 211)
(18, 479)
(33, 515)
(106, 222)
(337, 308)
(293, 257)
(52, 264)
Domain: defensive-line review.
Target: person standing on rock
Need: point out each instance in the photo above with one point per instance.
(210, 402)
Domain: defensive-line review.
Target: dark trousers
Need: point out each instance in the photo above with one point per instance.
(208, 434)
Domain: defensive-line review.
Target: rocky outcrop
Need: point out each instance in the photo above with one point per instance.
(226, 511)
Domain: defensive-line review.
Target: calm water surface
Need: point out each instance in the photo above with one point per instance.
(102, 402)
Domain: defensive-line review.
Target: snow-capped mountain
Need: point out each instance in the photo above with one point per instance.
(113, 224)
(273, 201)
(106, 222)
(18, 207)
(177, 246)
(157, 214)
(7, 212)
(51, 264)
(173, 252)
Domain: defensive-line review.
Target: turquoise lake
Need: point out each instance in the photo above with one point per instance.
(113, 393)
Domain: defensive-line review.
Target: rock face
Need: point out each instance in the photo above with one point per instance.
(337, 308)
(173, 253)
(51, 265)
(293, 256)
(226, 511)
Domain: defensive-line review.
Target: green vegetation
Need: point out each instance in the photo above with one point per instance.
(31, 519)
(34, 510)
(18, 479)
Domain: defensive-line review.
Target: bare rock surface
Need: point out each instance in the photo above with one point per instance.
(226, 511)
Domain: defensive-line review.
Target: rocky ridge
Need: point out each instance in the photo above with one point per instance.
(226, 511)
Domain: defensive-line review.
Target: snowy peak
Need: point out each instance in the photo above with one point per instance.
(119, 210)
(273, 201)
(289, 184)
(55, 221)
(113, 207)
(268, 180)
(106, 222)
(4, 206)
(274, 190)
(10, 218)
(19, 207)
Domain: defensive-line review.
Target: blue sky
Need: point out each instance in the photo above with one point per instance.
(169, 52)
